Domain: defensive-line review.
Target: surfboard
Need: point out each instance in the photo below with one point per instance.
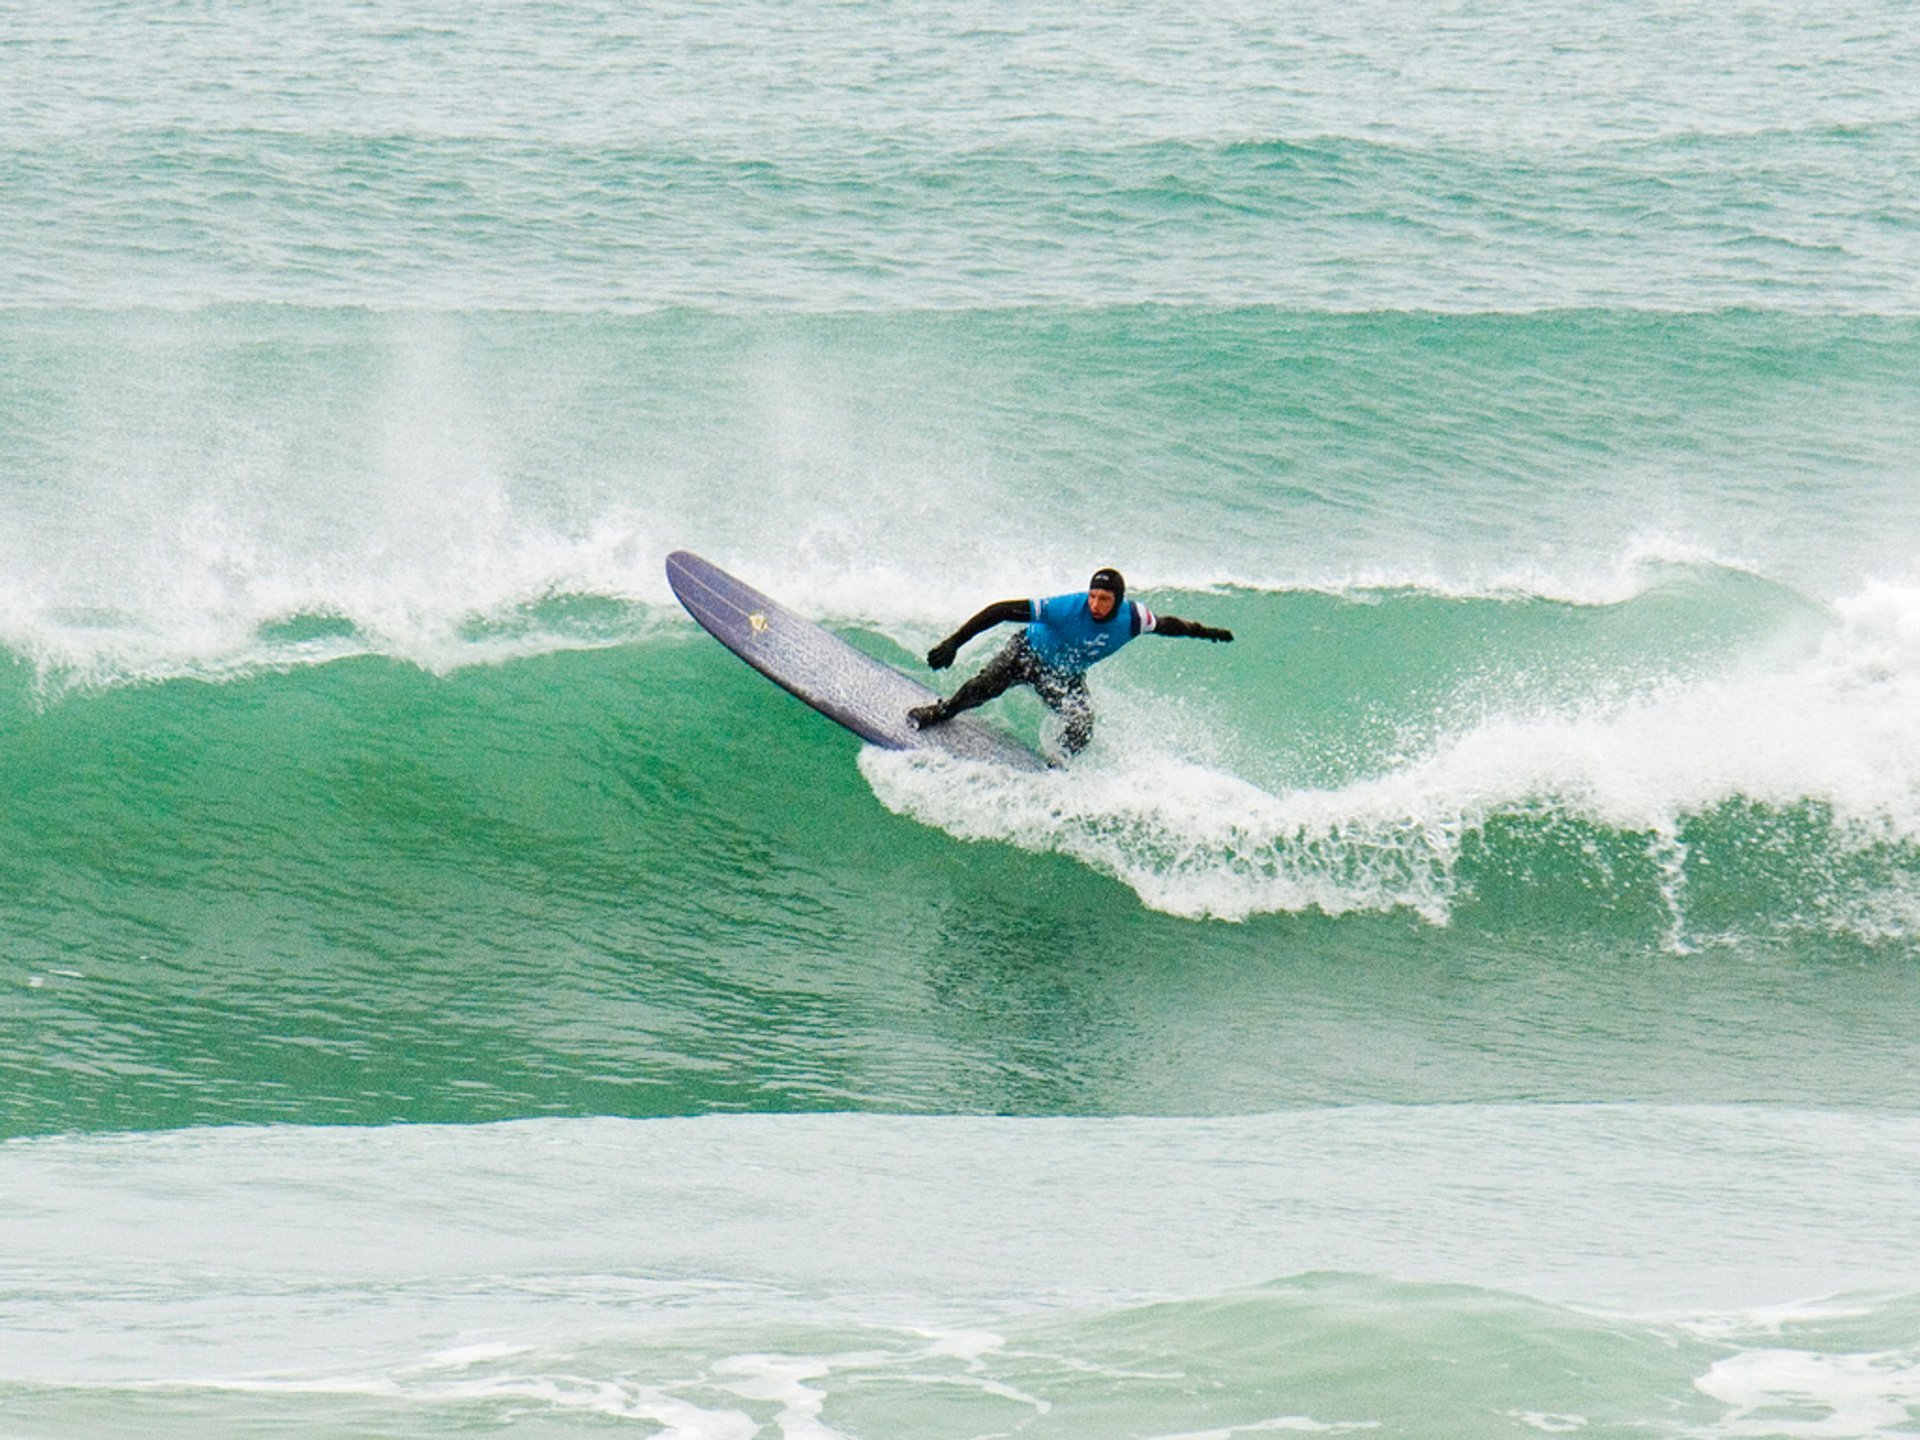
(867, 696)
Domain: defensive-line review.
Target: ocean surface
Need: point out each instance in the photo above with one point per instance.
(442, 991)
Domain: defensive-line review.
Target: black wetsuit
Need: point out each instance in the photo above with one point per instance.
(1063, 690)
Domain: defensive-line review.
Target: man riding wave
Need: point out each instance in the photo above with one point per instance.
(1064, 636)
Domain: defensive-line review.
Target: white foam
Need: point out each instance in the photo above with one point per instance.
(1773, 1320)
(1295, 1423)
(1813, 1395)
(1189, 840)
(438, 514)
(679, 1419)
(418, 601)
(1548, 1424)
(839, 575)
(1834, 724)
(1644, 562)
(1839, 726)
(187, 522)
(175, 552)
(788, 1389)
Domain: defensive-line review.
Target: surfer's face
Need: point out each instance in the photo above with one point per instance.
(1101, 603)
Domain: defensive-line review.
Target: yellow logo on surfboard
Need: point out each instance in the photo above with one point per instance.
(759, 622)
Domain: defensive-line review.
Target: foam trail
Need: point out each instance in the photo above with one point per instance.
(1834, 733)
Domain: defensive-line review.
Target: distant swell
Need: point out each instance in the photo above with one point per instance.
(1318, 222)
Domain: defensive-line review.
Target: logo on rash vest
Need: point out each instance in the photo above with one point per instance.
(758, 622)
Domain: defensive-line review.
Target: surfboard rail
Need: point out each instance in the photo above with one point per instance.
(867, 696)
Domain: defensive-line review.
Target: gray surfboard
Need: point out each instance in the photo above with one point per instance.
(866, 695)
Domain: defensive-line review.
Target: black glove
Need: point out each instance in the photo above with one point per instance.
(1211, 632)
(941, 656)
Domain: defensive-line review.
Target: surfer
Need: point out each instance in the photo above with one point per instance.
(1064, 636)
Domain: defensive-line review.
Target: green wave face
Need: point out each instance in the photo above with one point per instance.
(634, 878)
(359, 765)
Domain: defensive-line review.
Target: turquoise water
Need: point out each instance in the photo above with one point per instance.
(444, 990)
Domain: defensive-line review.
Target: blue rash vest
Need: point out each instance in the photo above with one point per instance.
(1066, 637)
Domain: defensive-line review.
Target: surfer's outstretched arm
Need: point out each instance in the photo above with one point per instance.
(1188, 629)
(1001, 612)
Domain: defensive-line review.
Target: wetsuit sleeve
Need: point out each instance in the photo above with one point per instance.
(1001, 612)
(1188, 629)
(998, 613)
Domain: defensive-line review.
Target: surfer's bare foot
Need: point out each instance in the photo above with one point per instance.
(921, 716)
